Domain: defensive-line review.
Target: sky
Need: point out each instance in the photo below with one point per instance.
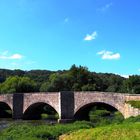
(103, 35)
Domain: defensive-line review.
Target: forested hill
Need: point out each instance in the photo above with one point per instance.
(37, 75)
(77, 78)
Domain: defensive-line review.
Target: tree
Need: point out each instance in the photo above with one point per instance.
(57, 82)
(25, 84)
(89, 87)
(133, 84)
(17, 84)
(10, 85)
(77, 78)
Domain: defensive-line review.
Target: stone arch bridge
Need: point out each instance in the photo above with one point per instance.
(67, 104)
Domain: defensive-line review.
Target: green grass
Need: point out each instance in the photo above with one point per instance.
(129, 129)
(104, 117)
(46, 116)
(125, 131)
(40, 132)
(135, 104)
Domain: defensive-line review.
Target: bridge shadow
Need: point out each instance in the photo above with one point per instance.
(5, 110)
(40, 111)
(95, 109)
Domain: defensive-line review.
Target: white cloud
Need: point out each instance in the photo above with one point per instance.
(5, 55)
(15, 56)
(109, 55)
(125, 76)
(105, 7)
(90, 37)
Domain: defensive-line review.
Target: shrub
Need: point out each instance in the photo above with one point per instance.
(133, 103)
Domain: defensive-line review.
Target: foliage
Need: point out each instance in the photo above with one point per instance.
(129, 129)
(49, 116)
(101, 117)
(39, 76)
(57, 82)
(89, 87)
(40, 132)
(81, 79)
(133, 84)
(135, 104)
(132, 119)
(77, 78)
(17, 84)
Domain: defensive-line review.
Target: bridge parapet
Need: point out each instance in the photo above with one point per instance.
(134, 97)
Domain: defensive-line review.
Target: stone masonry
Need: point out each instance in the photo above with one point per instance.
(67, 104)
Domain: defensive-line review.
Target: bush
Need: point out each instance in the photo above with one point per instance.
(135, 104)
(132, 119)
(105, 117)
(17, 84)
(40, 132)
(48, 116)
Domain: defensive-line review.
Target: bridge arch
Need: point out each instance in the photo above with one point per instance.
(83, 111)
(88, 99)
(36, 109)
(115, 106)
(36, 101)
(7, 99)
(5, 110)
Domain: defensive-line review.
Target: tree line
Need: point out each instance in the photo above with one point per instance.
(77, 78)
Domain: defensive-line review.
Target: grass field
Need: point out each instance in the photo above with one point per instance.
(126, 131)
(40, 132)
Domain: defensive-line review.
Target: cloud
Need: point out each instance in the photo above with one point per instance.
(105, 7)
(125, 76)
(90, 37)
(5, 55)
(109, 55)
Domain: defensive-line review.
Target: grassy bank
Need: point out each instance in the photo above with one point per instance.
(126, 131)
(40, 132)
(129, 129)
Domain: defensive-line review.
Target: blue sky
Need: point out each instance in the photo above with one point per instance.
(103, 35)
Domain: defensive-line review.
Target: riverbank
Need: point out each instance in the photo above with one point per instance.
(33, 131)
(129, 129)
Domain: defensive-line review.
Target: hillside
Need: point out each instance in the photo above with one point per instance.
(77, 78)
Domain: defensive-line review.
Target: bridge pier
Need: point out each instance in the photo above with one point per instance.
(18, 106)
(66, 106)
